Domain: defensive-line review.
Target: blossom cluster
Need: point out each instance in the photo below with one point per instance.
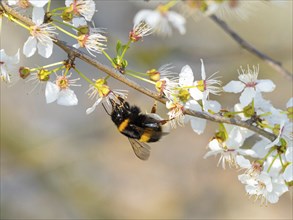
(267, 165)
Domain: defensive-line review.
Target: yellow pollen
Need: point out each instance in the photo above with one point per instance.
(201, 85)
(62, 82)
(44, 75)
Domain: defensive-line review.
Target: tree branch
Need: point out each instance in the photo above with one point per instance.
(113, 73)
(273, 63)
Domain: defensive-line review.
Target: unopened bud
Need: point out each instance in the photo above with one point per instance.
(24, 72)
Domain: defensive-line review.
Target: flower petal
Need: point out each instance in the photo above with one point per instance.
(51, 92)
(289, 103)
(141, 15)
(68, 2)
(30, 46)
(186, 76)
(91, 109)
(198, 125)
(177, 20)
(38, 3)
(196, 94)
(288, 173)
(246, 96)
(45, 50)
(67, 97)
(234, 86)
(38, 15)
(243, 162)
(265, 85)
(203, 71)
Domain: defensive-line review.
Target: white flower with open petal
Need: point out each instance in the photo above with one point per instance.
(266, 188)
(7, 65)
(85, 8)
(205, 86)
(41, 38)
(102, 92)
(160, 20)
(230, 148)
(61, 92)
(92, 42)
(249, 85)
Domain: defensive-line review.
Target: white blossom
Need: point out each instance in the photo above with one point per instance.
(159, 20)
(94, 43)
(8, 65)
(60, 91)
(249, 85)
(41, 38)
(102, 92)
(266, 188)
(85, 8)
(230, 148)
(205, 86)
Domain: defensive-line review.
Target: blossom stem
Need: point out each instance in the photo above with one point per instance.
(125, 49)
(58, 9)
(170, 4)
(16, 21)
(65, 32)
(268, 154)
(138, 77)
(109, 58)
(49, 5)
(275, 157)
(281, 160)
(139, 73)
(47, 66)
(66, 24)
(84, 77)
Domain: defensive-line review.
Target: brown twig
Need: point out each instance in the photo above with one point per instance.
(113, 73)
(273, 63)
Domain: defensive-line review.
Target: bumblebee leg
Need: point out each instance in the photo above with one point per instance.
(154, 108)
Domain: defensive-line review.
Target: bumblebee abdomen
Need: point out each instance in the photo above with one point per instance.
(150, 135)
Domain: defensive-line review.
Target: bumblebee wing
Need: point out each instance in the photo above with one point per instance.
(141, 150)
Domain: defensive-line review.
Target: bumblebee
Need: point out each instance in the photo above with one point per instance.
(138, 127)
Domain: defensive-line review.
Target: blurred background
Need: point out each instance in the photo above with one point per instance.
(59, 163)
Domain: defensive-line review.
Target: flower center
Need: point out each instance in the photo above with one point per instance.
(251, 84)
(82, 39)
(44, 75)
(102, 88)
(201, 85)
(62, 82)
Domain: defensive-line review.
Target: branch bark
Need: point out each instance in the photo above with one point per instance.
(273, 63)
(113, 73)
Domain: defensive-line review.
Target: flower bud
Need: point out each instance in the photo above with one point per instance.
(24, 72)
